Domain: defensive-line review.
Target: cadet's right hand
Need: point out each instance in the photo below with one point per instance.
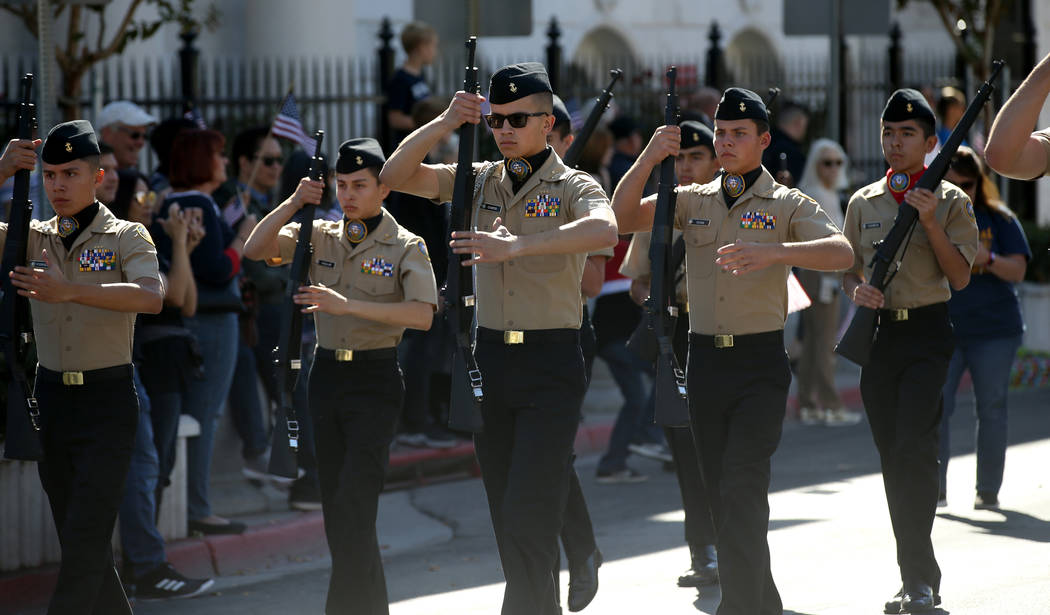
(308, 192)
(465, 107)
(866, 295)
(666, 142)
(18, 155)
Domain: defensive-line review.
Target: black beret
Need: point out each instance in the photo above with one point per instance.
(518, 81)
(695, 134)
(561, 113)
(741, 104)
(908, 104)
(357, 154)
(69, 141)
(622, 127)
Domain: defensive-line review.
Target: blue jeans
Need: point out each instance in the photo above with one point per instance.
(205, 398)
(246, 408)
(141, 542)
(989, 362)
(628, 370)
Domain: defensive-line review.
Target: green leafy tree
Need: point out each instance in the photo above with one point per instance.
(77, 54)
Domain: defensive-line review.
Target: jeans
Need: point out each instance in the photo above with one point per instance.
(246, 407)
(989, 362)
(140, 541)
(218, 335)
(627, 370)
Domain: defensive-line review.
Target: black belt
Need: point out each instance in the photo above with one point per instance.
(344, 354)
(749, 340)
(90, 376)
(531, 336)
(926, 313)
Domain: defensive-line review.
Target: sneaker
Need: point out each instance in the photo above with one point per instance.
(304, 495)
(202, 528)
(436, 437)
(417, 440)
(659, 452)
(257, 470)
(942, 500)
(627, 475)
(986, 500)
(842, 417)
(164, 582)
(811, 416)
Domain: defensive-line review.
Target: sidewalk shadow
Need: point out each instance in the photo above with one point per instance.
(1016, 525)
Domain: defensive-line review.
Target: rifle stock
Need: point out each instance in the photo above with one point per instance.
(288, 353)
(572, 155)
(856, 342)
(16, 332)
(464, 412)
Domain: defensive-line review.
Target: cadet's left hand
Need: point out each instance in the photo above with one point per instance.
(47, 285)
(925, 202)
(320, 298)
(745, 256)
(494, 247)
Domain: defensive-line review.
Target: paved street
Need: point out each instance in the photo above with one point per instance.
(830, 538)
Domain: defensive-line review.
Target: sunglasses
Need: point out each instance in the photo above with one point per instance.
(517, 120)
(831, 163)
(134, 134)
(269, 160)
(146, 198)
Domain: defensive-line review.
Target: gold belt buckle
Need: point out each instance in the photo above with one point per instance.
(513, 337)
(899, 315)
(723, 341)
(73, 378)
(344, 354)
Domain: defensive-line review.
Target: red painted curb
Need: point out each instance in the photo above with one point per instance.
(261, 547)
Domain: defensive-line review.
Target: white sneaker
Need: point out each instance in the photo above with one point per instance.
(811, 416)
(842, 417)
(659, 452)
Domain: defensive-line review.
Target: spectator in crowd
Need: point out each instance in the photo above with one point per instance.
(134, 200)
(106, 191)
(198, 167)
(950, 106)
(1013, 149)
(787, 137)
(825, 178)
(160, 139)
(124, 126)
(596, 156)
(407, 87)
(627, 144)
(986, 318)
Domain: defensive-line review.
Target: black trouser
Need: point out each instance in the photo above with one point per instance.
(531, 412)
(87, 432)
(901, 389)
(355, 406)
(699, 528)
(737, 399)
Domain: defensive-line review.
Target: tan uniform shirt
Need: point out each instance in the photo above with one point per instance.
(920, 280)
(530, 292)
(1044, 137)
(636, 264)
(391, 265)
(75, 337)
(721, 303)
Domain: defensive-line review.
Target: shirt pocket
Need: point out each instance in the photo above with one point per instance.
(700, 241)
(326, 272)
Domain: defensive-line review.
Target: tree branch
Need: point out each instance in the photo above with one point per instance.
(118, 36)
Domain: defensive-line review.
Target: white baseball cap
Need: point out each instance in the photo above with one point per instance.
(123, 112)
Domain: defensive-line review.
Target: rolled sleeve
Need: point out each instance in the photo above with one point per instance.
(636, 263)
(446, 176)
(1043, 136)
(286, 240)
(961, 228)
(587, 197)
(417, 275)
(809, 221)
(138, 254)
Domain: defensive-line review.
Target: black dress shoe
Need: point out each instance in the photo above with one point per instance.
(704, 570)
(583, 581)
(897, 603)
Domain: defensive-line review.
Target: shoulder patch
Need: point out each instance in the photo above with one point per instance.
(422, 247)
(969, 211)
(144, 234)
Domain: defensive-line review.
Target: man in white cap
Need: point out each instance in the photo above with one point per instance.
(124, 126)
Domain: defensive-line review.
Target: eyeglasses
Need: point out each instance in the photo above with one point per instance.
(269, 160)
(517, 120)
(831, 163)
(133, 134)
(146, 198)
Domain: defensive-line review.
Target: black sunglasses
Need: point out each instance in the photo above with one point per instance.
(134, 134)
(517, 120)
(269, 160)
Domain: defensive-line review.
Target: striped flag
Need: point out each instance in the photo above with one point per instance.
(289, 125)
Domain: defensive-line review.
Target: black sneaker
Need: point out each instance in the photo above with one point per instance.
(986, 500)
(164, 583)
(304, 495)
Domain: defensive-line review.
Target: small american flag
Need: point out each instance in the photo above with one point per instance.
(195, 116)
(289, 125)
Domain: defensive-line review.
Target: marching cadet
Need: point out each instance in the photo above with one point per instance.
(90, 273)
(742, 233)
(536, 221)
(901, 385)
(370, 280)
(696, 163)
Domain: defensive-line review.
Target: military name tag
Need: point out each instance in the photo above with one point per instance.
(868, 225)
(490, 207)
(97, 259)
(325, 263)
(699, 222)
(377, 266)
(758, 220)
(544, 206)
(38, 264)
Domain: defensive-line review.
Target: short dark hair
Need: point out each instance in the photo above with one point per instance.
(247, 142)
(104, 148)
(761, 126)
(563, 128)
(928, 129)
(191, 157)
